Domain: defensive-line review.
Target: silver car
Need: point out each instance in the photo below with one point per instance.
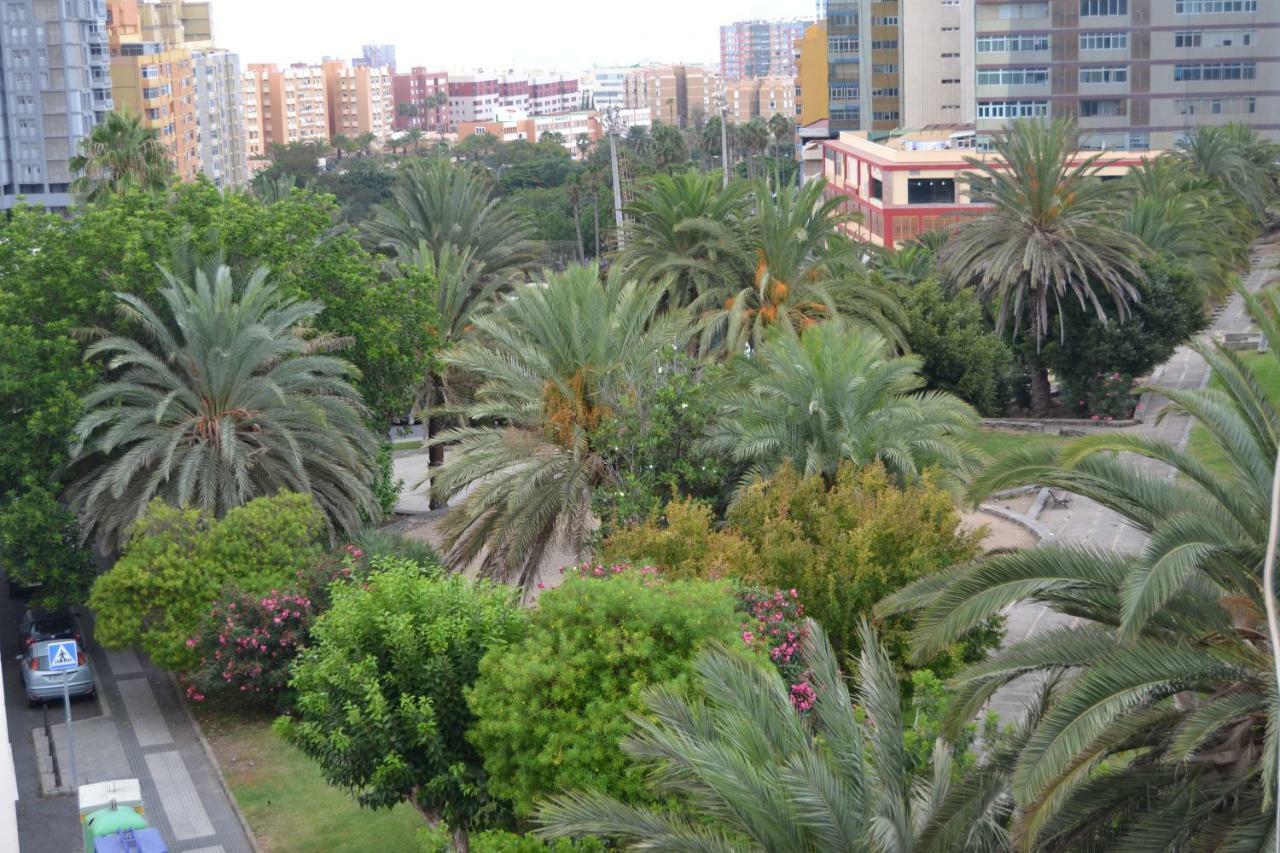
(43, 685)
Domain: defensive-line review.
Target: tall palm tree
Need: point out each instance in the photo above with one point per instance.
(783, 131)
(364, 142)
(341, 144)
(546, 367)
(686, 231)
(1051, 236)
(1239, 161)
(225, 400)
(758, 776)
(438, 203)
(833, 394)
(120, 154)
(754, 136)
(802, 269)
(1164, 735)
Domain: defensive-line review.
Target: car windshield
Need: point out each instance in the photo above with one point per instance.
(53, 626)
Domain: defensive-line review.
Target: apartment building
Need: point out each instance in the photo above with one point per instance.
(762, 97)
(864, 64)
(218, 111)
(57, 86)
(511, 125)
(915, 181)
(421, 100)
(157, 84)
(376, 56)
(605, 88)
(552, 93)
(359, 100)
(476, 97)
(937, 75)
(1135, 74)
(473, 97)
(759, 48)
(681, 95)
(812, 94)
(284, 105)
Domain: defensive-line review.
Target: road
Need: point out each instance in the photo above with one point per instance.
(135, 728)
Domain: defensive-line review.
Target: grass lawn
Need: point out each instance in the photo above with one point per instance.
(997, 442)
(1201, 444)
(288, 804)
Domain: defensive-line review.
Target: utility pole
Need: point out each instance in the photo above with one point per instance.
(612, 129)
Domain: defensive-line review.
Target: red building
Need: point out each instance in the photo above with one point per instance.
(421, 100)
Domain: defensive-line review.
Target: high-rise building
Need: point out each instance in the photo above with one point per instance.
(759, 48)
(359, 100)
(606, 88)
(1135, 74)
(377, 56)
(682, 95)
(812, 91)
(937, 75)
(166, 71)
(762, 97)
(421, 100)
(478, 96)
(284, 105)
(864, 64)
(57, 86)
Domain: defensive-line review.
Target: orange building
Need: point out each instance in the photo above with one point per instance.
(284, 105)
(153, 77)
(359, 100)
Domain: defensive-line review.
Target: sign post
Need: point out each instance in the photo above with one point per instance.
(63, 657)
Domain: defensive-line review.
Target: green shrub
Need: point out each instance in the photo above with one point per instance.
(552, 710)
(178, 561)
(501, 841)
(380, 692)
(685, 543)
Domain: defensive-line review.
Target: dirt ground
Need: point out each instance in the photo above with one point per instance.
(1001, 533)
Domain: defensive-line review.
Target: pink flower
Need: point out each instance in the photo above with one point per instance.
(794, 594)
(191, 642)
(541, 585)
(748, 637)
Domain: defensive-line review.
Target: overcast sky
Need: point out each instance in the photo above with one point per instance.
(562, 34)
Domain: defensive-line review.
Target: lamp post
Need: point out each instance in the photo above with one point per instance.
(612, 125)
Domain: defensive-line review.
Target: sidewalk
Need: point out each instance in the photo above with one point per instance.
(1086, 522)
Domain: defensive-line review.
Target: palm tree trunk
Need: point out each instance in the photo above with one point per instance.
(577, 227)
(1039, 389)
(595, 201)
(435, 423)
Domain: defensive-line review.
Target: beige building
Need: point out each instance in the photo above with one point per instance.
(359, 100)
(1135, 74)
(284, 105)
(762, 96)
(937, 62)
(682, 95)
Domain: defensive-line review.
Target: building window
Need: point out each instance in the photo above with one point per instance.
(1105, 74)
(1209, 7)
(1215, 71)
(1013, 109)
(884, 69)
(1104, 41)
(884, 21)
(1101, 8)
(1009, 11)
(931, 191)
(885, 92)
(1187, 39)
(842, 45)
(1097, 109)
(886, 115)
(1013, 76)
(886, 44)
(1013, 43)
(877, 189)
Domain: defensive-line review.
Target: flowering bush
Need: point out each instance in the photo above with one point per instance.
(775, 627)
(247, 643)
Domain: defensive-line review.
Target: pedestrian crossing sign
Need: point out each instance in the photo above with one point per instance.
(62, 656)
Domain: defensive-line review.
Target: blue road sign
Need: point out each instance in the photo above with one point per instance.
(62, 656)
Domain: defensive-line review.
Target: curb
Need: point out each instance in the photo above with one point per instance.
(217, 768)
(1040, 531)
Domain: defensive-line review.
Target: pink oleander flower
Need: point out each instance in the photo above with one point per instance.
(748, 637)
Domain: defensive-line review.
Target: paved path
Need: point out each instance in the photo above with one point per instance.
(1087, 522)
(137, 728)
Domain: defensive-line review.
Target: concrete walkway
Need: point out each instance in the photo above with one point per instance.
(1086, 522)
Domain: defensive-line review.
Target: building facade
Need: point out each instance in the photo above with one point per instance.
(915, 181)
(762, 97)
(477, 97)
(57, 85)
(937, 75)
(605, 88)
(284, 105)
(377, 56)
(157, 84)
(1135, 74)
(759, 48)
(812, 95)
(680, 95)
(864, 64)
(218, 116)
(421, 100)
(359, 100)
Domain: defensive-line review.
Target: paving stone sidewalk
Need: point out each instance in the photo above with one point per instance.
(1085, 521)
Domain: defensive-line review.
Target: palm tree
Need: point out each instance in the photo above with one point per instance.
(225, 400)
(364, 142)
(1239, 161)
(685, 232)
(583, 143)
(754, 136)
(412, 139)
(1052, 236)
(802, 269)
(758, 776)
(783, 131)
(341, 144)
(546, 368)
(709, 140)
(834, 394)
(120, 154)
(1163, 736)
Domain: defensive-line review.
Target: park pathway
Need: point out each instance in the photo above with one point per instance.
(1086, 522)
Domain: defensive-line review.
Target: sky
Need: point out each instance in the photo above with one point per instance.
(567, 35)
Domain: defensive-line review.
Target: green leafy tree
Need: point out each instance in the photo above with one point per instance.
(300, 159)
(837, 394)
(960, 352)
(178, 560)
(223, 401)
(544, 369)
(380, 702)
(551, 710)
(120, 154)
(667, 146)
(758, 776)
(1051, 238)
(1162, 738)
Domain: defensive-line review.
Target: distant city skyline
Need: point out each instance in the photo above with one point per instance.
(562, 34)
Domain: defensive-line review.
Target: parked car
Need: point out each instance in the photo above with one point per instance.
(43, 685)
(38, 624)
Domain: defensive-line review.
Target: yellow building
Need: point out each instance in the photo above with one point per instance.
(812, 98)
(359, 100)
